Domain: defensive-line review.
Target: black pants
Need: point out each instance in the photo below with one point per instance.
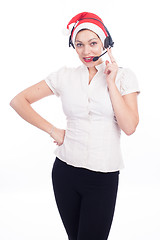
(85, 200)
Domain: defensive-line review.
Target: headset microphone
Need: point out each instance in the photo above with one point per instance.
(97, 57)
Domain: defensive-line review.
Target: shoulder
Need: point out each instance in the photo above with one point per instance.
(58, 80)
(127, 81)
(63, 73)
(126, 75)
(125, 72)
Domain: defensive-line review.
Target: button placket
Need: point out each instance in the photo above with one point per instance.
(89, 101)
(89, 120)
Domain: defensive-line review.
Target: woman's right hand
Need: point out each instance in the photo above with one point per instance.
(58, 135)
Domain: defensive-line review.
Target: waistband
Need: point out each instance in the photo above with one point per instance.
(82, 170)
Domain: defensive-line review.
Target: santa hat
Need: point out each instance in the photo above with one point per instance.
(87, 20)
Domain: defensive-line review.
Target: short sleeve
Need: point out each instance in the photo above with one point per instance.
(128, 82)
(54, 81)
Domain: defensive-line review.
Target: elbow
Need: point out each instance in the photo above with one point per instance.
(12, 102)
(15, 101)
(130, 130)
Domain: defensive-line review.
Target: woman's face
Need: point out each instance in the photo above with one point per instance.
(88, 45)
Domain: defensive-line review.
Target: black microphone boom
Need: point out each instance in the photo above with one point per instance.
(96, 58)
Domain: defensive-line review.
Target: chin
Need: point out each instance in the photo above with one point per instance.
(92, 64)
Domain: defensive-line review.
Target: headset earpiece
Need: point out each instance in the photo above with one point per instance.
(70, 42)
(70, 38)
(106, 42)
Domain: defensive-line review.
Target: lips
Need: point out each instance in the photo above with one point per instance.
(88, 59)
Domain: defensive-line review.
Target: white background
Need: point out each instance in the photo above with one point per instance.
(32, 46)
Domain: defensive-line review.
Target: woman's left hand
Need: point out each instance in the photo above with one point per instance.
(111, 69)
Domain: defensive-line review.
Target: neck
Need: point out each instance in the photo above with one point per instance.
(93, 69)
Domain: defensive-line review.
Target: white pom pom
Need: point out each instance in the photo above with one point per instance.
(66, 31)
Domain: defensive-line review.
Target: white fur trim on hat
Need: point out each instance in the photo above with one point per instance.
(90, 26)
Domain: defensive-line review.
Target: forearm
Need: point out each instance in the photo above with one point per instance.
(24, 109)
(126, 118)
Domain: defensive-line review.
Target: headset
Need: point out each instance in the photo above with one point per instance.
(108, 42)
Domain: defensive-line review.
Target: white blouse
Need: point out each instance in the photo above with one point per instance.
(92, 137)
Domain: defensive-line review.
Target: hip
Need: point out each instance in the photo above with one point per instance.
(85, 176)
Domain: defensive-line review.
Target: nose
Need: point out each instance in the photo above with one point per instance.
(86, 50)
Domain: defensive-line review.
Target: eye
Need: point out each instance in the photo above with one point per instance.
(93, 43)
(79, 45)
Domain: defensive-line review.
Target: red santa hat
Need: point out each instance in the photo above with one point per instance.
(87, 20)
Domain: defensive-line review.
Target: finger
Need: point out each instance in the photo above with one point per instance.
(108, 66)
(107, 71)
(110, 55)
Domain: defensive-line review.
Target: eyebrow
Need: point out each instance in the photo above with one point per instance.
(88, 41)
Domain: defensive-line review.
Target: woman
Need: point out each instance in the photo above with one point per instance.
(99, 100)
